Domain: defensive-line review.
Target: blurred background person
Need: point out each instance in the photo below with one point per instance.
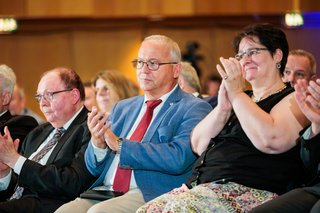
(301, 65)
(20, 125)
(17, 105)
(110, 87)
(189, 80)
(212, 84)
(90, 99)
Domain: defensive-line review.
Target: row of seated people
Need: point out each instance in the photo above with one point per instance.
(245, 145)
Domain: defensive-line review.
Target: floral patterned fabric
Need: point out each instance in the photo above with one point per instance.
(209, 197)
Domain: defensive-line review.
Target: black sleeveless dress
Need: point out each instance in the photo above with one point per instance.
(231, 156)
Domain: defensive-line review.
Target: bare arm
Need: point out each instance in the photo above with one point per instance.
(273, 132)
(212, 124)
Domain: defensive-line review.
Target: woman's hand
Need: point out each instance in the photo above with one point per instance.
(223, 100)
(232, 76)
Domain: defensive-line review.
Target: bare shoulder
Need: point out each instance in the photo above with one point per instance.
(288, 109)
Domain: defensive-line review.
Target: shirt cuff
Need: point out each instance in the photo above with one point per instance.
(5, 181)
(18, 166)
(99, 153)
(306, 134)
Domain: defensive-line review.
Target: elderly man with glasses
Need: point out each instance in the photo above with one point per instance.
(142, 149)
(50, 170)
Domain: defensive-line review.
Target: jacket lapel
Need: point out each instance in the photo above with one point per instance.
(175, 97)
(82, 117)
(43, 133)
(4, 118)
(132, 115)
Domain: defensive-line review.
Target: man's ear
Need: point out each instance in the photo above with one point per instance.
(75, 95)
(177, 70)
(6, 98)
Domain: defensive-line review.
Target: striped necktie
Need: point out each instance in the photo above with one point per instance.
(51, 143)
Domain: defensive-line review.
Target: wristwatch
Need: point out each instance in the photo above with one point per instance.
(119, 141)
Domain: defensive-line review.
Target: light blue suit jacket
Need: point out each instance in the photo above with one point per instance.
(163, 160)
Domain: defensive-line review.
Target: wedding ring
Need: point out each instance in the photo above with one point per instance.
(225, 77)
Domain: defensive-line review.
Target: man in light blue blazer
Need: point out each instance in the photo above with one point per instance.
(162, 159)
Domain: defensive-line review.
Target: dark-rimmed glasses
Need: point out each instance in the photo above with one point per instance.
(249, 53)
(48, 96)
(152, 65)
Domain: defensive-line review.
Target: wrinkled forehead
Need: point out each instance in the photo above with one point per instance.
(298, 62)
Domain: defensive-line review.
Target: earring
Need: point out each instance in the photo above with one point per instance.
(278, 65)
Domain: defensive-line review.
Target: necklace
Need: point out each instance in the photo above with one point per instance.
(257, 99)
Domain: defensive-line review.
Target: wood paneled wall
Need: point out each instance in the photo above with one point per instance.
(91, 43)
(125, 8)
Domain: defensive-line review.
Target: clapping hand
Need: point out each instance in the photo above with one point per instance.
(98, 125)
(308, 99)
(231, 73)
(8, 152)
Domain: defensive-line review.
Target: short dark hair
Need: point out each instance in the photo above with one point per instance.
(270, 36)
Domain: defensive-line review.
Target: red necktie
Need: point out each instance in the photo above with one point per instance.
(122, 178)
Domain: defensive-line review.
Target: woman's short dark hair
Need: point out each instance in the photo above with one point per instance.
(270, 36)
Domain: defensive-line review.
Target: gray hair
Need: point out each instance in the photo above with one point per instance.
(189, 74)
(173, 47)
(8, 78)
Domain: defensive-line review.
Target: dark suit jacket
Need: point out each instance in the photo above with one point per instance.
(65, 175)
(19, 125)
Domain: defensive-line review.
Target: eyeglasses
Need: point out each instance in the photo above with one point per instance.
(249, 53)
(152, 65)
(48, 96)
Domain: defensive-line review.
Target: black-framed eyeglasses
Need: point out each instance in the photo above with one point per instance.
(152, 65)
(249, 53)
(48, 96)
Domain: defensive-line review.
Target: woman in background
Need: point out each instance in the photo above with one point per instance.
(110, 87)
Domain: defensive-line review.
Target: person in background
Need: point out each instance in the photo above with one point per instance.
(90, 99)
(19, 125)
(50, 170)
(189, 80)
(212, 85)
(17, 105)
(128, 154)
(247, 145)
(306, 199)
(301, 65)
(110, 87)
